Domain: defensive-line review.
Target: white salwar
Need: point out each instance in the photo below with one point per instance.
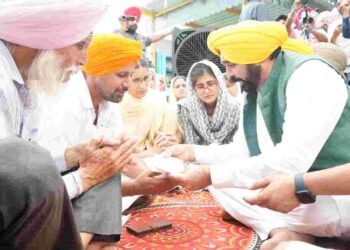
(315, 96)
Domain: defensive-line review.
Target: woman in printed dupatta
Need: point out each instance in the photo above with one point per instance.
(209, 114)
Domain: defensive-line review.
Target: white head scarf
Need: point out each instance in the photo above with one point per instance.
(198, 127)
(49, 24)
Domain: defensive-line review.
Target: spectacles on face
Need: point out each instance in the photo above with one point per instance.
(128, 18)
(211, 85)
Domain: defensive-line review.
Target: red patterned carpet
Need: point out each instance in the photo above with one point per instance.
(196, 224)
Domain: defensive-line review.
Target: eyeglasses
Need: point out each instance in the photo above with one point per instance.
(209, 86)
(128, 18)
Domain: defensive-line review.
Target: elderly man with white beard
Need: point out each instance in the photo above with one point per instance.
(42, 41)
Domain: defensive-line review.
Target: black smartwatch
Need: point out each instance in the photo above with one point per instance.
(304, 195)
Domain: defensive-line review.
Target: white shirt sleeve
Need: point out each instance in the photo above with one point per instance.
(61, 162)
(316, 96)
(73, 184)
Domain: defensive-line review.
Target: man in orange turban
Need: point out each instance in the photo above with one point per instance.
(296, 119)
(88, 109)
(108, 53)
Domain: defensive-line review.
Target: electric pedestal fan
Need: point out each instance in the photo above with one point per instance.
(190, 46)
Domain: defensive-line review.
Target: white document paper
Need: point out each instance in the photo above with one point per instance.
(159, 163)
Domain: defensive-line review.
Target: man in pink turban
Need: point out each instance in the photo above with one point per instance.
(41, 43)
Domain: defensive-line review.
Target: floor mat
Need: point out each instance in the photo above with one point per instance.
(197, 223)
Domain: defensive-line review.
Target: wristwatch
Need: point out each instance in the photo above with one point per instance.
(303, 194)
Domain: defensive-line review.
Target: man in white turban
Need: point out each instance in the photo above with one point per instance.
(41, 43)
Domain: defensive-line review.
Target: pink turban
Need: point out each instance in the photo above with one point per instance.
(133, 11)
(49, 24)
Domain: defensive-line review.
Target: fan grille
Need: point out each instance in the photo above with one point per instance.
(192, 49)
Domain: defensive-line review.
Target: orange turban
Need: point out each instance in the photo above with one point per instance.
(109, 53)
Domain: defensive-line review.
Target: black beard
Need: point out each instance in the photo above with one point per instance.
(250, 84)
(247, 86)
(132, 28)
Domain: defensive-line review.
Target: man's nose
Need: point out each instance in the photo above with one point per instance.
(82, 57)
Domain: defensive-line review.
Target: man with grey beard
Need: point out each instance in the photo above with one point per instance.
(37, 49)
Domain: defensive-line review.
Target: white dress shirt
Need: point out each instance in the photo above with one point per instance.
(68, 120)
(315, 98)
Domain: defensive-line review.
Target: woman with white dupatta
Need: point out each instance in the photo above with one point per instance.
(209, 114)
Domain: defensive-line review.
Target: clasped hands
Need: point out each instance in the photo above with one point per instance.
(100, 159)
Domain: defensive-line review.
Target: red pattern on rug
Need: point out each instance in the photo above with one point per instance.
(196, 224)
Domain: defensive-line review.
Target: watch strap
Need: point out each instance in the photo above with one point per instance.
(299, 183)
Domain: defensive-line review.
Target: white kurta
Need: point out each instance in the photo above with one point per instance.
(70, 115)
(315, 96)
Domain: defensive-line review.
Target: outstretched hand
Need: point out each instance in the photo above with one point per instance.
(193, 178)
(150, 182)
(182, 151)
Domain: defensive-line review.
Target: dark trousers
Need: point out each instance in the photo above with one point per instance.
(35, 210)
(98, 210)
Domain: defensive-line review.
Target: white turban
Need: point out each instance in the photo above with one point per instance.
(323, 16)
(49, 24)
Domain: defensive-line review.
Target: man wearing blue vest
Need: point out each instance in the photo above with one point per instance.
(295, 120)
